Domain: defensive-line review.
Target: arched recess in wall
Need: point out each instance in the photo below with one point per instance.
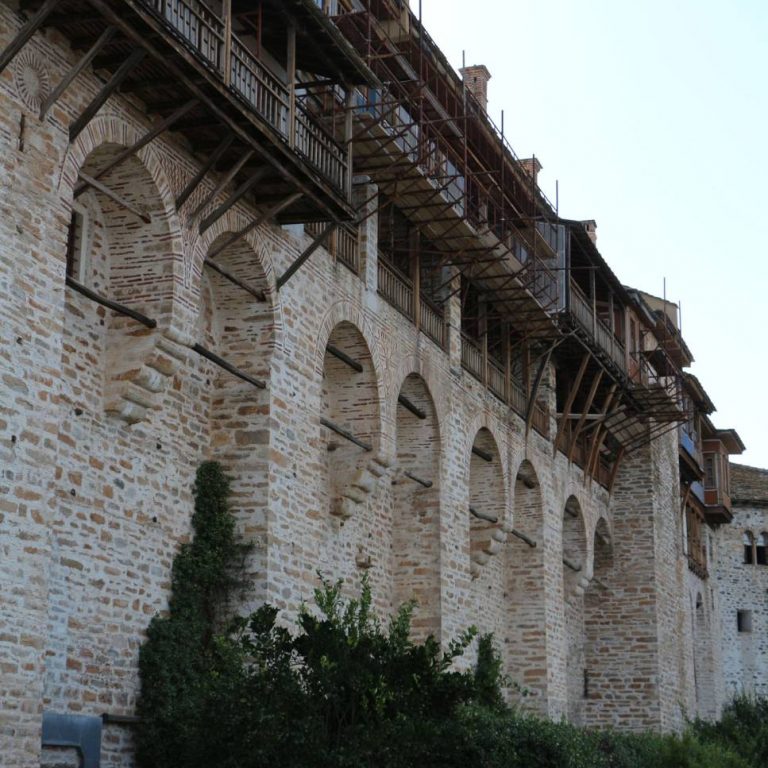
(350, 421)
(599, 623)
(416, 507)
(487, 501)
(574, 580)
(525, 645)
(703, 660)
(238, 328)
(118, 249)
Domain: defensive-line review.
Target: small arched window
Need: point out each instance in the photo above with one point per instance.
(760, 549)
(749, 544)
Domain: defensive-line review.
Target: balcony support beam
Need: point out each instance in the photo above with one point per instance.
(200, 175)
(569, 403)
(213, 217)
(409, 405)
(151, 135)
(122, 72)
(585, 412)
(345, 358)
(85, 60)
(26, 32)
(121, 201)
(227, 178)
(599, 435)
(316, 243)
(257, 294)
(257, 222)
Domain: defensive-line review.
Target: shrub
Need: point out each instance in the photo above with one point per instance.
(344, 690)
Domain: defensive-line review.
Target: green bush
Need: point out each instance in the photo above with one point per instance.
(344, 690)
(743, 728)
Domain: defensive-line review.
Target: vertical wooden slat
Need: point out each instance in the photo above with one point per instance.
(291, 69)
(227, 64)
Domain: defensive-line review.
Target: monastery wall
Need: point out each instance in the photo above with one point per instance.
(103, 422)
(743, 587)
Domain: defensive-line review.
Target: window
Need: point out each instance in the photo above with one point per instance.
(696, 549)
(744, 621)
(760, 549)
(78, 246)
(749, 544)
(710, 478)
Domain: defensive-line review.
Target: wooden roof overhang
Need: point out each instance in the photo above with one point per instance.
(305, 183)
(321, 48)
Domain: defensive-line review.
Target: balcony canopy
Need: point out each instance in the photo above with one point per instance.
(320, 47)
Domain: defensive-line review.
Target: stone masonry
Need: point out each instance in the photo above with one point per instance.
(103, 422)
(742, 587)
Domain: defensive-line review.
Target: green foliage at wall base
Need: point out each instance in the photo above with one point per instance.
(344, 691)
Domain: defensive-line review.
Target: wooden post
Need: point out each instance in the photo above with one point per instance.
(507, 357)
(593, 291)
(291, 69)
(227, 62)
(483, 311)
(611, 310)
(348, 134)
(416, 275)
(627, 346)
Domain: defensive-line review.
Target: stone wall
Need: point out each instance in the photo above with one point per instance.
(744, 587)
(103, 422)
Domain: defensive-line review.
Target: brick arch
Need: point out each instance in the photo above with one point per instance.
(237, 327)
(263, 279)
(138, 363)
(111, 129)
(484, 420)
(525, 634)
(487, 485)
(416, 506)
(344, 312)
(703, 656)
(414, 364)
(575, 555)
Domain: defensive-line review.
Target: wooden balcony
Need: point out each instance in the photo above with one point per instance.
(185, 64)
(398, 290)
(582, 311)
(492, 373)
(342, 244)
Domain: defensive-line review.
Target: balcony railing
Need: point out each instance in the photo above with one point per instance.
(204, 33)
(540, 419)
(472, 357)
(342, 244)
(582, 311)
(689, 441)
(497, 379)
(508, 391)
(697, 490)
(395, 288)
(432, 321)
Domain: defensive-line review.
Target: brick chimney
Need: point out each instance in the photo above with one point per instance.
(476, 79)
(591, 226)
(532, 166)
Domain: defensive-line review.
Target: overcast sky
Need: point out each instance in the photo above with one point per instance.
(653, 116)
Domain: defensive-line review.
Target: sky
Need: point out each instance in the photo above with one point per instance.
(652, 116)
